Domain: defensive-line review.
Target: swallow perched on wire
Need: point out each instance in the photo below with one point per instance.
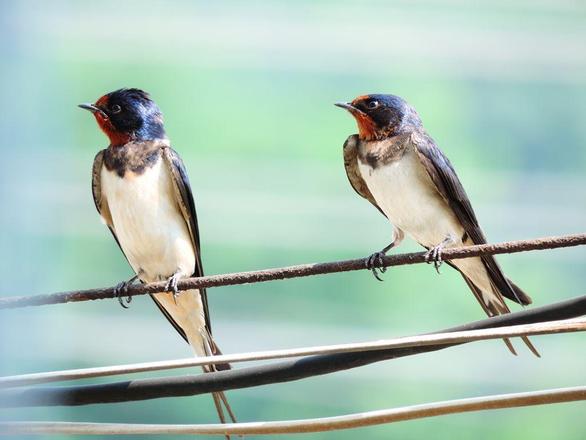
(142, 193)
(394, 164)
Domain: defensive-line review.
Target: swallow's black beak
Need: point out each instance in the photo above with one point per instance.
(90, 107)
(345, 105)
(348, 106)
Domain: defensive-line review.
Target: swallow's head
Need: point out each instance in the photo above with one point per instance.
(381, 116)
(127, 115)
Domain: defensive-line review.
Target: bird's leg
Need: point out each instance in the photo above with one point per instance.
(172, 284)
(375, 261)
(434, 254)
(121, 290)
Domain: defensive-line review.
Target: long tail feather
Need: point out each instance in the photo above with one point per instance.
(219, 397)
(224, 399)
(530, 346)
(495, 309)
(219, 409)
(509, 345)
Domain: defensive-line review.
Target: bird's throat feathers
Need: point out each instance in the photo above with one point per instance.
(367, 129)
(117, 138)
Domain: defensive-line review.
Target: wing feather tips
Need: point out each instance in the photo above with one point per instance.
(524, 299)
(216, 352)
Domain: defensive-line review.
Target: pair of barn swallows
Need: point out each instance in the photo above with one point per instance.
(142, 192)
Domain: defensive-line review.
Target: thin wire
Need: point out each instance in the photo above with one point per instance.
(302, 270)
(285, 370)
(348, 421)
(543, 328)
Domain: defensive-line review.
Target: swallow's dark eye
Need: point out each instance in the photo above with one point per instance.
(371, 105)
(115, 109)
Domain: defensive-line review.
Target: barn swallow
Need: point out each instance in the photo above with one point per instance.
(142, 193)
(394, 164)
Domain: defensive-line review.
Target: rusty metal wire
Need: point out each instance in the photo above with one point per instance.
(302, 270)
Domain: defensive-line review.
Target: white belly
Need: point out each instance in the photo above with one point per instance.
(405, 193)
(148, 223)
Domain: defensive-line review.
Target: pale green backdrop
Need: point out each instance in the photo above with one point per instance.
(247, 90)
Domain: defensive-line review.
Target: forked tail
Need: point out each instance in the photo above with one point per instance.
(497, 306)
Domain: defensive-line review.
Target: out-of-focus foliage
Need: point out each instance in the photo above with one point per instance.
(247, 90)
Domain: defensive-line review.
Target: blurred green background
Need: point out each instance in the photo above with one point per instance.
(247, 90)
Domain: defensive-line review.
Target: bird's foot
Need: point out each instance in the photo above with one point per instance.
(121, 291)
(171, 285)
(434, 255)
(375, 263)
